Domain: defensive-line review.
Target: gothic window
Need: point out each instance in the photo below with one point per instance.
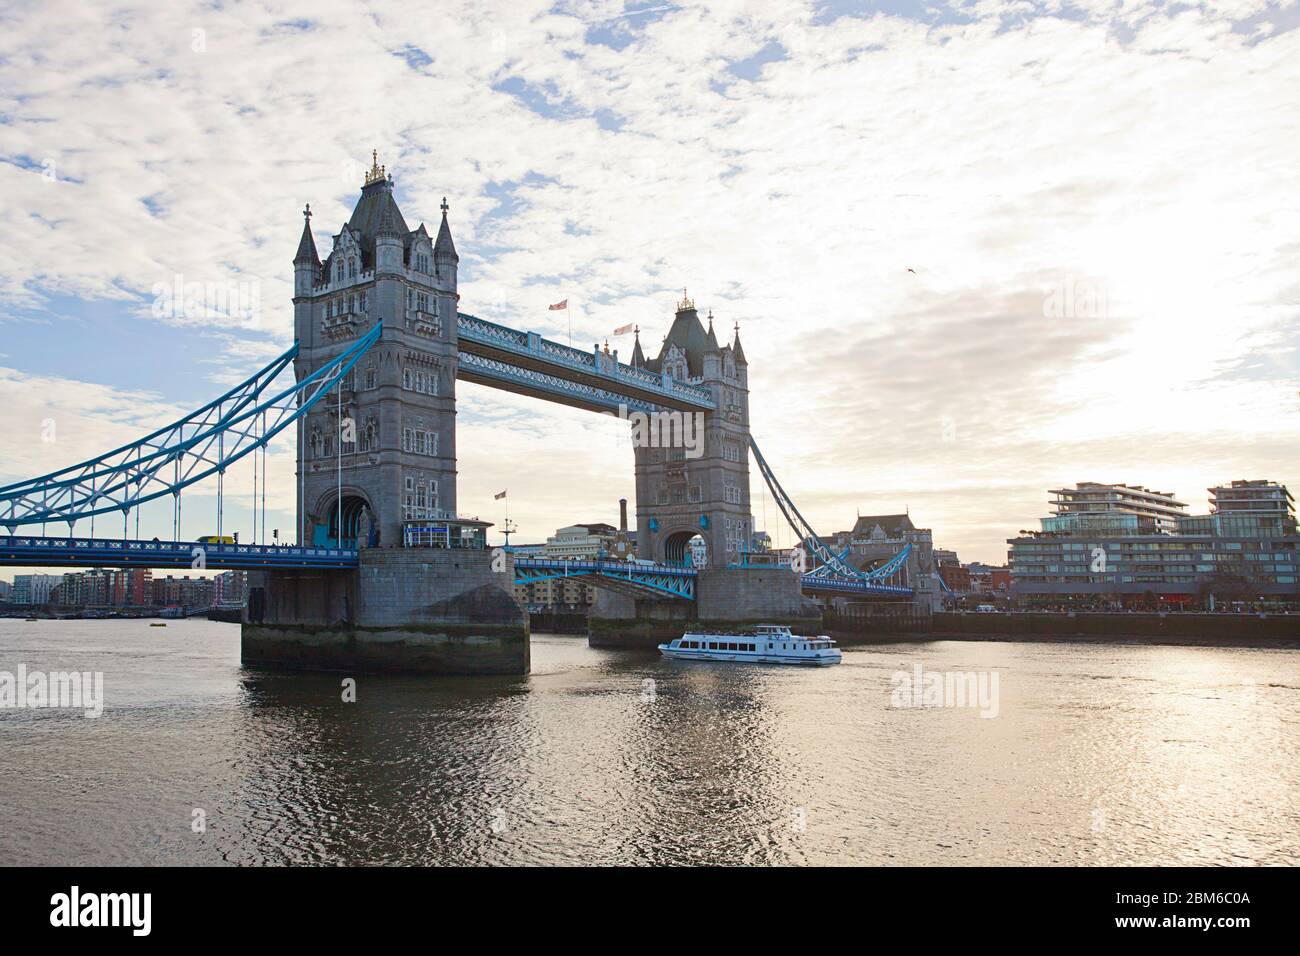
(338, 271)
(371, 378)
(431, 443)
(316, 442)
(370, 437)
(406, 379)
(408, 439)
(352, 268)
(419, 380)
(420, 497)
(363, 302)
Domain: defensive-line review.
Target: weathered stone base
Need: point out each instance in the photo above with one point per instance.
(407, 611)
(727, 599)
(617, 620)
(451, 649)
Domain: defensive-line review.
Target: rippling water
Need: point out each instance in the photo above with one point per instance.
(1099, 755)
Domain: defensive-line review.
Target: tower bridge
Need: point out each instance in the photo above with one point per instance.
(385, 573)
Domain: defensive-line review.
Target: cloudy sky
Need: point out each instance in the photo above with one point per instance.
(1100, 201)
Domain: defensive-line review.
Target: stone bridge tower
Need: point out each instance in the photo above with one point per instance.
(683, 491)
(397, 427)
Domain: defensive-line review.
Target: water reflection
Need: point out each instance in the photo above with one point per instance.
(1100, 754)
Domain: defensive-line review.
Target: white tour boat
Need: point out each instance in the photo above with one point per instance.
(767, 644)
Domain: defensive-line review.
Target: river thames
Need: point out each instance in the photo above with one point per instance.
(1098, 754)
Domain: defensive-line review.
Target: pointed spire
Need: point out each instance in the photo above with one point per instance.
(737, 352)
(307, 245)
(443, 248)
(712, 340)
(638, 357)
(388, 223)
(377, 173)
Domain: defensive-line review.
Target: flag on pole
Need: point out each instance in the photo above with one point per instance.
(562, 304)
(500, 496)
(624, 329)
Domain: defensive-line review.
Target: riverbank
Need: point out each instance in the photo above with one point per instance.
(1206, 630)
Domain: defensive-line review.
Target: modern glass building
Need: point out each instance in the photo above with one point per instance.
(1111, 558)
(1090, 498)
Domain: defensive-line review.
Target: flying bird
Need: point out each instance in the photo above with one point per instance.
(911, 270)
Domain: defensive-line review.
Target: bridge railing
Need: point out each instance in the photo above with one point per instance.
(852, 586)
(105, 550)
(473, 328)
(607, 567)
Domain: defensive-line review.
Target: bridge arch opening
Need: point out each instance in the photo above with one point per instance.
(686, 548)
(353, 507)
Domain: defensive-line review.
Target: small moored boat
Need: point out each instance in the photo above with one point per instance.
(766, 644)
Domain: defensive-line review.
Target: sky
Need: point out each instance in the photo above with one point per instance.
(975, 250)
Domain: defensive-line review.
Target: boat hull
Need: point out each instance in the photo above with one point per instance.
(675, 654)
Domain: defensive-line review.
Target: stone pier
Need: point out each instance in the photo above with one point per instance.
(426, 611)
(725, 599)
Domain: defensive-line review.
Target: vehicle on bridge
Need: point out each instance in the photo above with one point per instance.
(215, 539)
(767, 644)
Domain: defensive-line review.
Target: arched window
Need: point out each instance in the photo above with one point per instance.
(352, 268)
(338, 271)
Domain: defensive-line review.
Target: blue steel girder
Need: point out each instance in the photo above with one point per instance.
(890, 567)
(203, 443)
(99, 552)
(660, 581)
(527, 352)
(840, 585)
(526, 381)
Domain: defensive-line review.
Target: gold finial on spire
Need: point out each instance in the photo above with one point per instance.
(686, 302)
(377, 172)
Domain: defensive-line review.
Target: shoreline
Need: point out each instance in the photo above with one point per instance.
(1170, 640)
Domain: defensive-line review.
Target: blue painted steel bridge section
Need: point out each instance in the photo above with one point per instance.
(629, 577)
(524, 362)
(670, 582)
(22, 551)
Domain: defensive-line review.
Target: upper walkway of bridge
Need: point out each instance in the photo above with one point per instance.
(524, 362)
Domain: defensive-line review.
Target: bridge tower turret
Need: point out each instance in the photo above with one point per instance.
(306, 264)
(699, 486)
(389, 452)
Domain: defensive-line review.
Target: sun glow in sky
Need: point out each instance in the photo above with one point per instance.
(1099, 200)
